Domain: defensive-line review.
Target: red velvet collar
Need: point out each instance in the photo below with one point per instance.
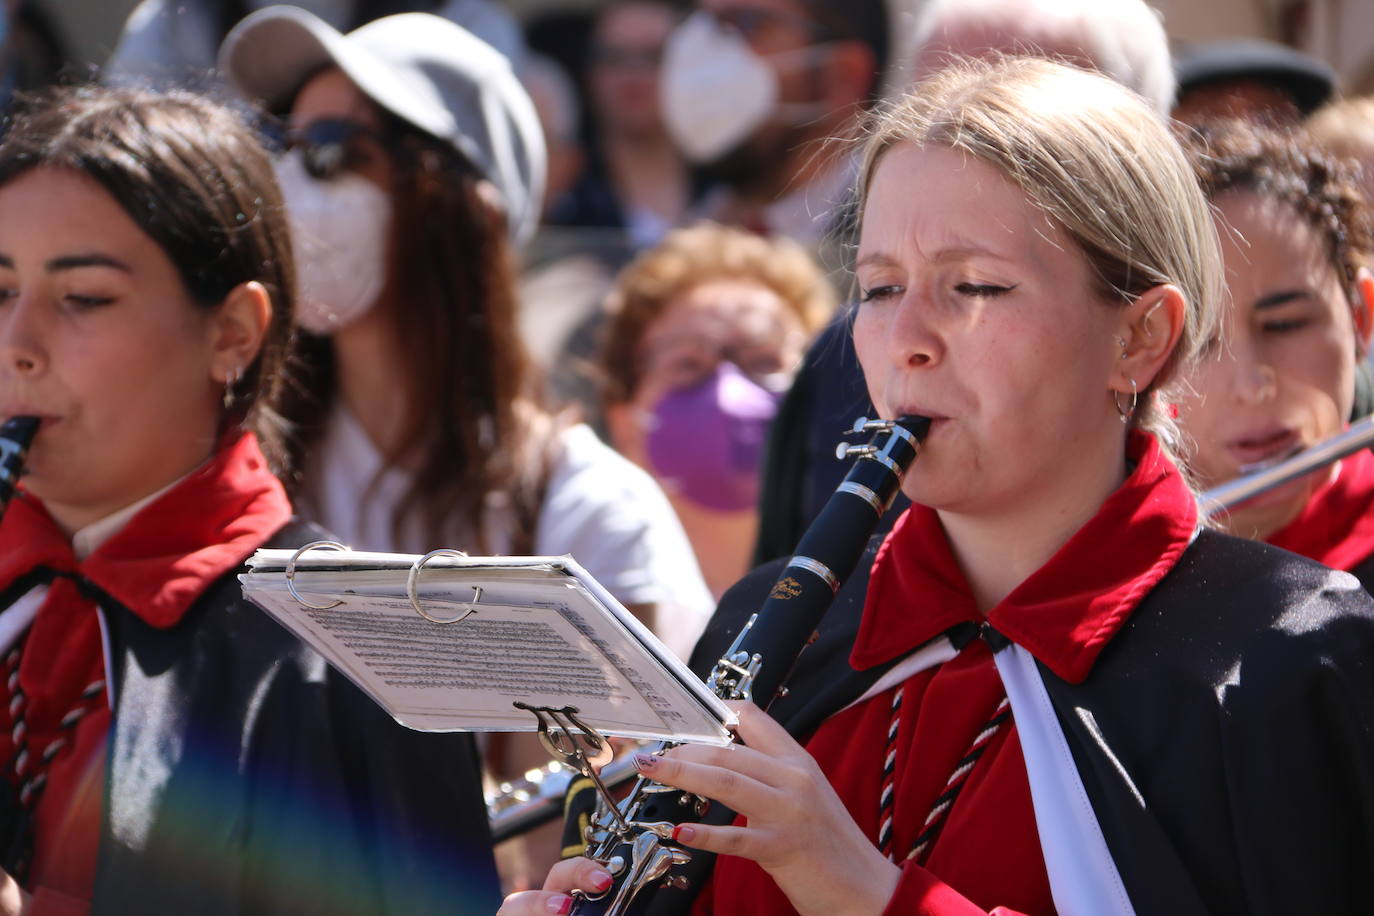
(1068, 610)
(1336, 527)
(174, 548)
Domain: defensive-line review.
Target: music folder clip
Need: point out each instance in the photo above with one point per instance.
(450, 642)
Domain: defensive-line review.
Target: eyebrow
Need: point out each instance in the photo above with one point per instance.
(1283, 297)
(91, 259)
(954, 253)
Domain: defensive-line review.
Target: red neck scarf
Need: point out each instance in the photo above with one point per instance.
(156, 566)
(1065, 612)
(1336, 527)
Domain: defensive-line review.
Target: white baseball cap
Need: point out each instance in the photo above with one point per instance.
(422, 68)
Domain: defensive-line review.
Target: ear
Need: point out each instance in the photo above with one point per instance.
(1150, 327)
(850, 74)
(1362, 308)
(238, 329)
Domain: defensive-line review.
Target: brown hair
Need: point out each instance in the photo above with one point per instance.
(194, 178)
(687, 258)
(473, 415)
(1289, 166)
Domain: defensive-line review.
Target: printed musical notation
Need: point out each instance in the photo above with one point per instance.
(539, 630)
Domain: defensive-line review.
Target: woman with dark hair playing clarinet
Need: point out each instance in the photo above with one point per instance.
(1065, 694)
(165, 746)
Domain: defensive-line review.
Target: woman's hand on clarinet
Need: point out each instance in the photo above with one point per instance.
(798, 830)
(563, 879)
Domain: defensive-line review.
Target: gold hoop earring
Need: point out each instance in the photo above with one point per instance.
(1126, 412)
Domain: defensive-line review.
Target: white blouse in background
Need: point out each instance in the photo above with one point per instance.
(599, 507)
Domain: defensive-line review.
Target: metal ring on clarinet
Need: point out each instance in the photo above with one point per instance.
(818, 569)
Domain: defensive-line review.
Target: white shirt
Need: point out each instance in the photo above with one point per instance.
(605, 511)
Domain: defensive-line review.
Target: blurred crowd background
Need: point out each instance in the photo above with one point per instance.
(85, 33)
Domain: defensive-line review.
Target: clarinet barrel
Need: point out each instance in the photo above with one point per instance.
(643, 859)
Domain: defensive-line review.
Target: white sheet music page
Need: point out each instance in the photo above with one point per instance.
(542, 631)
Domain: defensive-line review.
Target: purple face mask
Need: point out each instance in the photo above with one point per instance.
(706, 442)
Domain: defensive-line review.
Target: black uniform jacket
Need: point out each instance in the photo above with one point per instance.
(245, 776)
(1225, 736)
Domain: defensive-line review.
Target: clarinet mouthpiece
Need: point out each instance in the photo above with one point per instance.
(915, 424)
(16, 435)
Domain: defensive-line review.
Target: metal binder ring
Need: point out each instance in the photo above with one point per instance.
(413, 580)
(291, 572)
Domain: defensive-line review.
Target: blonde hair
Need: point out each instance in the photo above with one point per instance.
(1346, 128)
(1099, 163)
(688, 258)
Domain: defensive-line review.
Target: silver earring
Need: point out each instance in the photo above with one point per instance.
(1121, 342)
(230, 377)
(1126, 412)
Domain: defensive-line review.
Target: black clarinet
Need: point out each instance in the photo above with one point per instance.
(636, 846)
(16, 435)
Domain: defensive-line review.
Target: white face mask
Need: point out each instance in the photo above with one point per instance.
(716, 90)
(339, 232)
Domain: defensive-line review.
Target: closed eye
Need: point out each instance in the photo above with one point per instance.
(1285, 326)
(982, 290)
(86, 302)
(879, 292)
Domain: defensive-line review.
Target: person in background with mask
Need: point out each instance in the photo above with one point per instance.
(171, 43)
(636, 179)
(753, 89)
(414, 166)
(704, 332)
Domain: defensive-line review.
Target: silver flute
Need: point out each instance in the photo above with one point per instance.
(1359, 435)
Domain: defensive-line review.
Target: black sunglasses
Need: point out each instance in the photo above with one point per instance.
(329, 146)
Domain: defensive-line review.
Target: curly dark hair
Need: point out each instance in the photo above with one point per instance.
(1290, 166)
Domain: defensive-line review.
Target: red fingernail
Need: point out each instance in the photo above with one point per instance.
(643, 762)
(601, 880)
(559, 905)
(683, 833)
